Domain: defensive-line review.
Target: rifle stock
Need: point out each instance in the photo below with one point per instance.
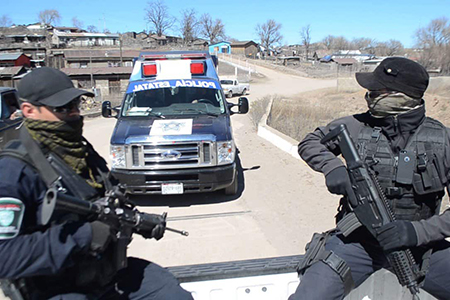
(369, 207)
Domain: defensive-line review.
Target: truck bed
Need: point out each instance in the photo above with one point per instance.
(273, 278)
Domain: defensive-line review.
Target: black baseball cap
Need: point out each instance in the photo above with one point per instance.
(397, 74)
(49, 87)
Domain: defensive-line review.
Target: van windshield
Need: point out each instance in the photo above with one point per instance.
(168, 101)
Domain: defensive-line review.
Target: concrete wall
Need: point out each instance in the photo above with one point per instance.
(123, 85)
(103, 85)
(439, 85)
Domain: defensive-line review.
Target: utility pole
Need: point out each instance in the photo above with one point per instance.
(90, 67)
(120, 45)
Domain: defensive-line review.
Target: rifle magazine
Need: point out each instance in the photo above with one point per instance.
(348, 224)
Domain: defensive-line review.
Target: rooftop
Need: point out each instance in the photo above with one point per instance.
(77, 54)
(10, 56)
(97, 71)
(10, 71)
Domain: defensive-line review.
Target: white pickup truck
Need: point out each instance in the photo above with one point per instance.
(231, 86)
(273, 278)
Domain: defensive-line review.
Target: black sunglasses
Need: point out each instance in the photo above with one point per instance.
(65, 109)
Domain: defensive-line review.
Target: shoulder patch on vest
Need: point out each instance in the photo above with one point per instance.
(11, 215)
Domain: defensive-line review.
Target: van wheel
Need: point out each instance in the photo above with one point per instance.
(244, 92)
(232, 189)
(230, 94)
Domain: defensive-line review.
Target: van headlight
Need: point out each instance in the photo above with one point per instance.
(117, 154)
(225, 152)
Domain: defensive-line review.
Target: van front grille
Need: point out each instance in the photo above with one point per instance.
(171, 156)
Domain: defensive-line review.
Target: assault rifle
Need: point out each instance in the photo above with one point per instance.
(116, 210)
(369, 207)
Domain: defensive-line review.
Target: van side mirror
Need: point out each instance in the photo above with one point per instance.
(243, 105)
(106, 109)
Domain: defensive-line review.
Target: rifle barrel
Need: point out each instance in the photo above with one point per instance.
(182, 232)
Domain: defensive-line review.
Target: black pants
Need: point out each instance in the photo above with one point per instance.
(140, 280)
(322, 283)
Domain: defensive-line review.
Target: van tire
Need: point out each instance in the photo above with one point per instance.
(233, 188)
(244, 92)
(230, 94)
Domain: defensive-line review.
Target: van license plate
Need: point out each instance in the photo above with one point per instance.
(171, 188)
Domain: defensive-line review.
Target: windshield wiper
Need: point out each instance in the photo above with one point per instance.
(198, 111)
(156, 114)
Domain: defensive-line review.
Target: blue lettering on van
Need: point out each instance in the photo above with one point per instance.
(143, 86)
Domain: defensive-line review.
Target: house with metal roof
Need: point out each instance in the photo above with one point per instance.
(65, 39)
(10, 76)
(221, 47)
(107, 83)
(356, 54)
(19, 38)
(247, 48)
(106, 71)
(14, 59)
(99, 58)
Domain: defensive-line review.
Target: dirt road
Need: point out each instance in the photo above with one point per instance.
(280, 204)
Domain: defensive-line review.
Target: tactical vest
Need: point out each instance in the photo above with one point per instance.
(421, 197)
(52, 168)
(89, 272)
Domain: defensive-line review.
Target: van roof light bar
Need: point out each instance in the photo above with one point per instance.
(173, 56)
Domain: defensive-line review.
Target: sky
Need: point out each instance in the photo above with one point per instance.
(380, 20)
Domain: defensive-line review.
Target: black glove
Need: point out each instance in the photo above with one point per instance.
(396, 235)
(338, 182)
(154, 226)
(102, 235)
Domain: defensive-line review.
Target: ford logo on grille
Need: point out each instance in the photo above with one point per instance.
(171, 154)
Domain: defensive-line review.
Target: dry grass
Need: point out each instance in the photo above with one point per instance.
(301, 114)
(258, 109)
(296, 120)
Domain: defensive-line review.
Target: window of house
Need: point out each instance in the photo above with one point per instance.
(113, 64)
(114, 86)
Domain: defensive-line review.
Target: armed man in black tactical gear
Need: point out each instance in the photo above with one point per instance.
(70, 257)
(409, 154)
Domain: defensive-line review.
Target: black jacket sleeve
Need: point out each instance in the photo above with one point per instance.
(35, 252)
(323, 158)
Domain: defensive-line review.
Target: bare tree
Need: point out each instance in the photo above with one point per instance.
(157, 14)
(332, 42)
(328, 41)
(5, 21)
(437, 33)
(91, 28)
(305, 34)
(211, 29)
(77, 23)
(393, 47)
(49, 17)
(341, 43)
(269, 33)
(434, 40)
(189, 25)
(367, 45)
